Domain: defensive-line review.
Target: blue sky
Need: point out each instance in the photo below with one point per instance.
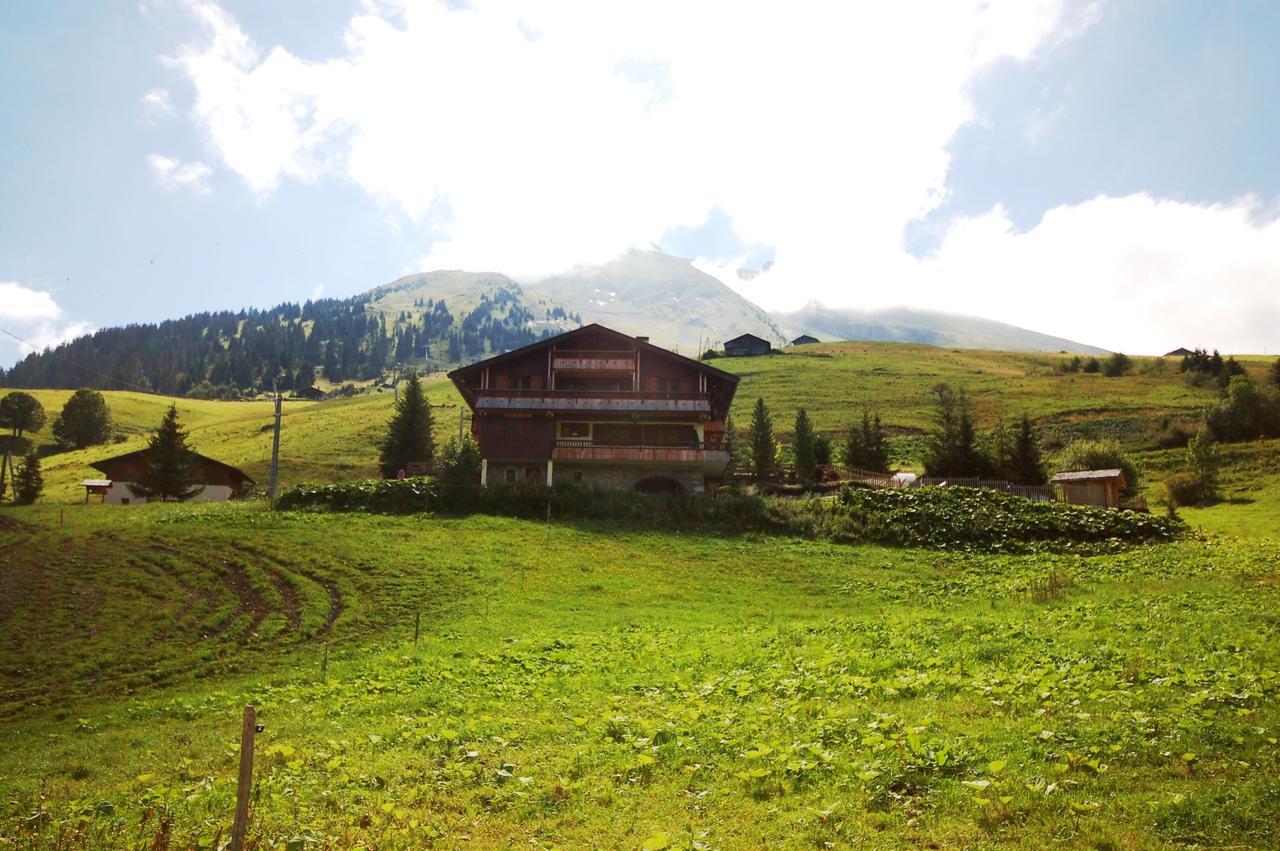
(173, 156)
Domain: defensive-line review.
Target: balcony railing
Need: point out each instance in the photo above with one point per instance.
(591, 400)
(593, 360)
(690, 452)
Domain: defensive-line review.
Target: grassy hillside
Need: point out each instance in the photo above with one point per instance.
(598, 686)
(320, 441)
(835, 380)
(338, 439)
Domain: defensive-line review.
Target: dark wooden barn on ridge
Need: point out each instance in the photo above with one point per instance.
(746, 345)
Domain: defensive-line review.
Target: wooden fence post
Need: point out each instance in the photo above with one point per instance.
(417, 624)
(245, 783)
(324, 665)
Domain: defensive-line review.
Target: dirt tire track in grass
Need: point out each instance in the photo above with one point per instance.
(288, 598)
(283, 568)
(335, 602)
(250, 602)
(193, 594)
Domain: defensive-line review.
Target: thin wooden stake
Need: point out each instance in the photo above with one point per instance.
(417, 624)
(245, 783)
(324, 666)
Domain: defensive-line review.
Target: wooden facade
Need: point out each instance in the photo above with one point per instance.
(747, 345)
(218, 481)
(1099, 488)
(595, 406)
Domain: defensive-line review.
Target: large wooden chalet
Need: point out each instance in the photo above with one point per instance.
(598, 407)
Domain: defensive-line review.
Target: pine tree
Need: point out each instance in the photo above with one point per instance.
(760, 440)
(84, 420)
(1275, 373)
(1002, 450)
(27, 481)
(877, 448)
(1027, 466)
(855, 452)
(952, 449)
(806, 462)
(865, 447)
(409, 439)
(170, 464)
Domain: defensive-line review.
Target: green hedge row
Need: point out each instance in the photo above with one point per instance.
(940, 518)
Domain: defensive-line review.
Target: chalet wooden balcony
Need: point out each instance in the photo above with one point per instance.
(710, 455)
(586, 360)
(627, 401)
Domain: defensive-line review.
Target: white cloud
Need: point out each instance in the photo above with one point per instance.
(1133, 273)
(806, 125)
(173, 173)
(820, 128)
(157, 105)
(23, 304)
(35, 316)
(46, 335)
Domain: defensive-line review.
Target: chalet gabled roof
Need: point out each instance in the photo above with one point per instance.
(1089, 476)
(639, 343)
(102, 465)
(742, 338)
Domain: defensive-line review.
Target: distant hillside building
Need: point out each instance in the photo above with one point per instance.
(1099, 488)
(594, 406)
(804, 340)
(315, 394)
(220, 481)
(1179, 353)
(747, 345)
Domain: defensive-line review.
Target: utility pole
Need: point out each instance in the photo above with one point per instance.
(275, 448)
(395, 382)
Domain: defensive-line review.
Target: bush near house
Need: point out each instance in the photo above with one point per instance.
(940, 518)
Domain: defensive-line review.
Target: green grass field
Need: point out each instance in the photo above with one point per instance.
(590, 686)
(600, 685)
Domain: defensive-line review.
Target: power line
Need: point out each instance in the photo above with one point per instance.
(78, 366)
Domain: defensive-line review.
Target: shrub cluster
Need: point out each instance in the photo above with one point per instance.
(945, 518)
(970, 519)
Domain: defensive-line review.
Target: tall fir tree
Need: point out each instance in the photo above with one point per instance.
(28, 484)
(806, 460)
(952, 449)
(409, 439)
(855, 452)
(875, 445)
(170, 469)
(761, 442)
(1028, 465)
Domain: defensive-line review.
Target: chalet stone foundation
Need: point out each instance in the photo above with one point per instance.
(618, 477)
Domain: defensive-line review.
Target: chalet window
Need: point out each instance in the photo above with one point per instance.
(577, 477)
(617, 434)
(510, 475)
(520, 382)
(533, 473)
(670, 385)
(579, 430)
(671, 435)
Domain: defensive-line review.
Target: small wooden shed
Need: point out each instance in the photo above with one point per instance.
(746, 345)
(1100, 488)
(804, 340)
